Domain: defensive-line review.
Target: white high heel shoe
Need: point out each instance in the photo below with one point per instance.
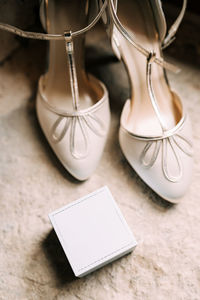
(72, 106)
(73, 110)
(155, 133)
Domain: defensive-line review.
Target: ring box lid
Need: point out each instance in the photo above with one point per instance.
(92, 231)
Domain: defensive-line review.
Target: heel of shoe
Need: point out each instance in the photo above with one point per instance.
(43, 15)
(110, 29)
(106, 16)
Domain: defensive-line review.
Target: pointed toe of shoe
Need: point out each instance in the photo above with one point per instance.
(81, 165)
(173, 189)
(170, 189)
(165, 165)
(84, 168)
(77, 139)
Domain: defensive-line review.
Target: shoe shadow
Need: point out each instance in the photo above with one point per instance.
(103, 64)
(57, 258)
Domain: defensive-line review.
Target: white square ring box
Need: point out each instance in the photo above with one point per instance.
(92, 231)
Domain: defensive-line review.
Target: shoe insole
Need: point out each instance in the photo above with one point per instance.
(65, 15)
(137, 18)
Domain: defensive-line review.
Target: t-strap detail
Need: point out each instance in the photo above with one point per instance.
(140, 48)
(69, 46)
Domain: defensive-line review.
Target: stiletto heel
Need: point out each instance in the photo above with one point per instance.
(155, 133)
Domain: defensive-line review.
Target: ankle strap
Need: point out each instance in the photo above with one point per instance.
(48, 36)
(170, 37)
(140, 48)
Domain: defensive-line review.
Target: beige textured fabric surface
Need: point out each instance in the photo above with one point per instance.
(166, 262)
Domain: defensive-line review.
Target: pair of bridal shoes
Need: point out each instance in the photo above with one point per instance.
(73, 106)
